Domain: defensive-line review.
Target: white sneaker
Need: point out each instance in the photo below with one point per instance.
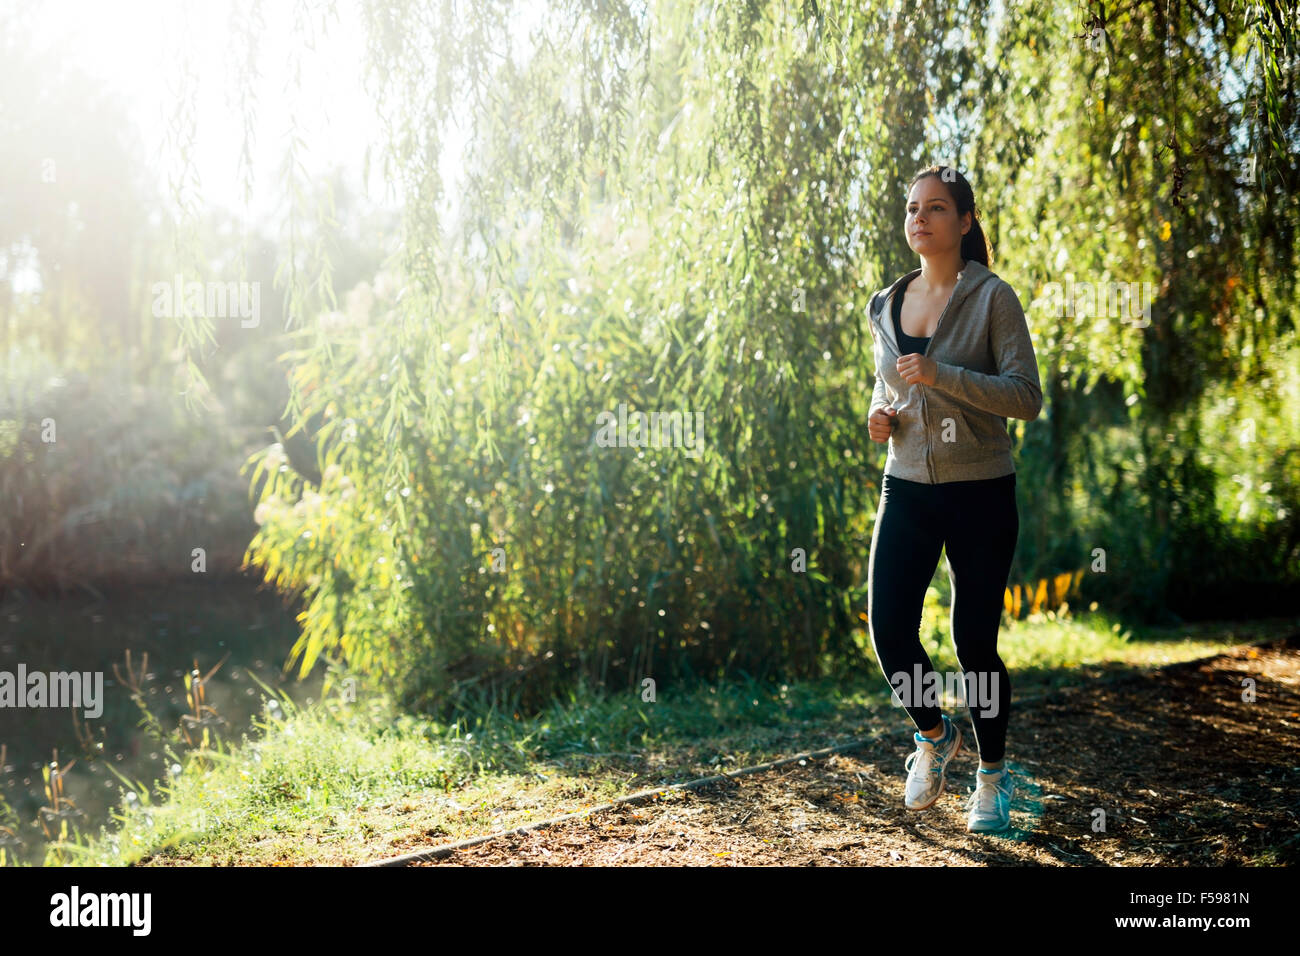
(990, 804)
(927, 767)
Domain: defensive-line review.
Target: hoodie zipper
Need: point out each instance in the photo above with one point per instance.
(925, 417)
(880, 324)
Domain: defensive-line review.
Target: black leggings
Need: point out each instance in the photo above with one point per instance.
(977, 522)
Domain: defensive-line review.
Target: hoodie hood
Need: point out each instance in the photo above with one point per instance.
(971, 277)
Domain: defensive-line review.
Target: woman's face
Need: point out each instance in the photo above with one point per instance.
(932, 224)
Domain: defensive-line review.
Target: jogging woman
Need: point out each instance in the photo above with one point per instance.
(954, 361)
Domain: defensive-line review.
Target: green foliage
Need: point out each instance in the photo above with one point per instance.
(476, 430)
(677, 208)
(103, 482)
(656, 192)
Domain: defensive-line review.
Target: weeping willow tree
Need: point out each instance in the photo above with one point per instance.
(1169, 159)
(683, 208)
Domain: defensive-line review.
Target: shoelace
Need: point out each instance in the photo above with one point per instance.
(936, 764)
(986, 798)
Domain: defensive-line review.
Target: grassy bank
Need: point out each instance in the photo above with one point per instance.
(342, 782)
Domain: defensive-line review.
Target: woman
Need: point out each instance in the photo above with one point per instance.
(954, 361)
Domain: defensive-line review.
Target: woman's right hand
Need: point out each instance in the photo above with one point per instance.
(881, 423)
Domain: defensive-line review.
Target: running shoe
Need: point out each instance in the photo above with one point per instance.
(990, 804)
(927, 766)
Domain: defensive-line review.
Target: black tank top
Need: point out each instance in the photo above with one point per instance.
(907, 344)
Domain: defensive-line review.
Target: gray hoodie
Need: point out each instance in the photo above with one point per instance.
(956, 429)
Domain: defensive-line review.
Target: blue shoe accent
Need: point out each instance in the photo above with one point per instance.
(942, 738)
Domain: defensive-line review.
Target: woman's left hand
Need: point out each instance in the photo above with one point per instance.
(917, 369)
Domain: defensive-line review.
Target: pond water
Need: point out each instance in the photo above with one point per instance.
(177, 626)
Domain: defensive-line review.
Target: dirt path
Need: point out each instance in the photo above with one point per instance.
(1186, 772)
